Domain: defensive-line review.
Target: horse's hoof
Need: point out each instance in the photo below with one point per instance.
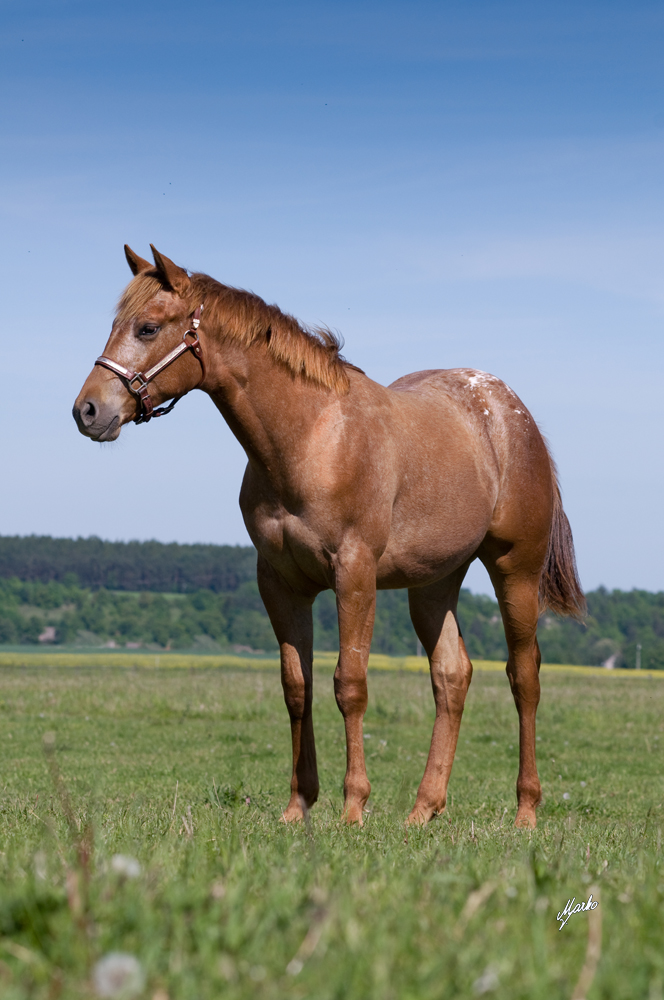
(419, 817)
(422, 813)
(291, 815)
(352, 814)
(296, 811)
(525, 819)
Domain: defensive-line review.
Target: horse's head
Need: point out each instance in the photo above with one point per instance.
(154, 314)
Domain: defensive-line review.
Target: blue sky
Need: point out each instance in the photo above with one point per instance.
(447, 184)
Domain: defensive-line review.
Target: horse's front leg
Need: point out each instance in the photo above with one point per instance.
(356, 605)
(291, 618)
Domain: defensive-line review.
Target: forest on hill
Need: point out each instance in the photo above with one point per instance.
(87, 592)
(152, 566)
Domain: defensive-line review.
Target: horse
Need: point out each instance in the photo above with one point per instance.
(354, 486)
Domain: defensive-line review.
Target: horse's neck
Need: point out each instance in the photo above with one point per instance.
(269, 410)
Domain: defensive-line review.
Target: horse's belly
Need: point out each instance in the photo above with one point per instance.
(419, 566)
(432, 535)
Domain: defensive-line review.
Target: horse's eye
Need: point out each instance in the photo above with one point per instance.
(148, 330)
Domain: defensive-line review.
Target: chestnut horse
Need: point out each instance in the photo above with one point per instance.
(352, 486)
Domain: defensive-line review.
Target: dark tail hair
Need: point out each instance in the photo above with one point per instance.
(560, 588)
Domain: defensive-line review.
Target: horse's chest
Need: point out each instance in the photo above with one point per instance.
(290, 546)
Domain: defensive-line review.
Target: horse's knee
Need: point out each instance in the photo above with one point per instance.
(524, 680)
(450, 684)
(451, 669)
(297, 705)
(351, 694)
(298, 693)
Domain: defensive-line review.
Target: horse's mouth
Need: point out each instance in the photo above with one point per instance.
(110, 433)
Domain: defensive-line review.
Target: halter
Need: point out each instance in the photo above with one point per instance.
(137, 382)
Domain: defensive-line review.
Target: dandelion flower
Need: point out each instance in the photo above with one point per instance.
(118, 975)
(566, 795)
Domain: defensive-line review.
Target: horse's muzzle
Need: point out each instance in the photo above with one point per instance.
(96, 421)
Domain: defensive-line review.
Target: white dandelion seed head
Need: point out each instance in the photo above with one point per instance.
(566, 795)
(125, 865)
(488, 981)
(40, 865)
(118, 975)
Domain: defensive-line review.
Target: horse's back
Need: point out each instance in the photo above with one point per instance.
(485, 404)
(475, 392)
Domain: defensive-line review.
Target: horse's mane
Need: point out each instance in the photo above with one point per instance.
(310, 352)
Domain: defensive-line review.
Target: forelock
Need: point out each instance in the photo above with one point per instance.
(137, 294)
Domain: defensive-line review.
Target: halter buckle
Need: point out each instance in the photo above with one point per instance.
(142, 384)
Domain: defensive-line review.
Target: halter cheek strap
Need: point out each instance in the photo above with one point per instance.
(137, 382)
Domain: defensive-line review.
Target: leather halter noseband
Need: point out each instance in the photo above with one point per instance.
(137, 382)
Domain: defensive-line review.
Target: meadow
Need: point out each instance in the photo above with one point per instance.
(184, 769)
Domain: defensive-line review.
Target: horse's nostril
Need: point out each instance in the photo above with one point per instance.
(86, 414)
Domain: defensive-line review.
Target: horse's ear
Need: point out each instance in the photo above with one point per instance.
(136, 263)
(175, 276)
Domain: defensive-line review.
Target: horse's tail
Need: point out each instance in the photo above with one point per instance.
(560, 588)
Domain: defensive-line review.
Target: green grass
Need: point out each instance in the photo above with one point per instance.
(228, 897)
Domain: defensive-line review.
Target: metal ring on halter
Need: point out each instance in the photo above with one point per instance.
(141, 382)
(142, 394)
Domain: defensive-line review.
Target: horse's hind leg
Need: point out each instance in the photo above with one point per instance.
(517, 594)
(433, 613)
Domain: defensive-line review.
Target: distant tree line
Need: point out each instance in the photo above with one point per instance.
(618, 621)
(153, 566)
(67, 614)
(88, 592)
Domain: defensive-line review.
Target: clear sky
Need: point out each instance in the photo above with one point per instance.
(446, 183)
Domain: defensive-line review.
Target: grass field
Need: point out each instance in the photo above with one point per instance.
(45, 656)
(229, 903)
